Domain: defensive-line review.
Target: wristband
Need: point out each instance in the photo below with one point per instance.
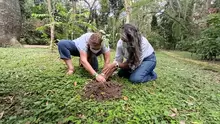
(117, 65)
(96, 74)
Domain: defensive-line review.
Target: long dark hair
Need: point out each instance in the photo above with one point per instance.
(131, 35)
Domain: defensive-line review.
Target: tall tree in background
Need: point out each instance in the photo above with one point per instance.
(10, 22)
(154, 24)
(177, 22)
(208, 4)
(116, 7)
(127, 9)
(92, 9)
(141, 14)
(102, 20)
(74, 5)
(52, 24)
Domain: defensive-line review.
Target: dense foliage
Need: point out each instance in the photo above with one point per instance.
(168, 24)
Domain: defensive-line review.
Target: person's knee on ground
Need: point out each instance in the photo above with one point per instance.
(136, 79)
(154, 75)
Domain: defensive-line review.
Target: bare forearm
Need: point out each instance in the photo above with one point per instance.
(106, 58)
(106, 63)
(85, 63)
(88, 67)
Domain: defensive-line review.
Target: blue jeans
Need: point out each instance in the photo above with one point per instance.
(142, 73)
(67, 48)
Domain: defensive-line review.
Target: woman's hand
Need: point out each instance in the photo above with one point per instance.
(100, 78)
(108, 70)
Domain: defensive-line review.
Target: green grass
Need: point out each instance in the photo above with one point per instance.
(185, 54)
(34, 89)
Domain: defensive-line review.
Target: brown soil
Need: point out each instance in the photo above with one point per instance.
(35, 46)
(103, 91)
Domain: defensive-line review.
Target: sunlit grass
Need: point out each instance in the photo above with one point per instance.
(35, 89)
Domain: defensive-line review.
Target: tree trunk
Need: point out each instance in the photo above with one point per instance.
(10, 22)
(127, 8)
(74, 17)
(208, 4)
(74, 6)
(52, 26)
(92, 10)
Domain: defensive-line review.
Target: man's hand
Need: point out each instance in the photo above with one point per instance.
(100, 79)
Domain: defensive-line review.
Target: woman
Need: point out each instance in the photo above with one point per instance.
(139, 54)
(87, 47)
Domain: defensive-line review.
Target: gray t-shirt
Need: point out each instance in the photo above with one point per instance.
(82, 41)
(121, 52)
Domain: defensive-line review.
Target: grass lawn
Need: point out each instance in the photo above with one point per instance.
(188, 55)
(34, 89)
(195, 59)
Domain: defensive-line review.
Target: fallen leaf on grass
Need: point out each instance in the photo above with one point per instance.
(172, 115)
(1, 115)
(190, 103)
(196, 122)
(11, 98)
(125, 98)
(174, 112)
(151, 90)
(82, 116)
(60, 122)
(182, 122)
(75, 83)
(28, 122)
(25, 94)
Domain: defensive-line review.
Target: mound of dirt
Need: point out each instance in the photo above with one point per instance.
(103, 91)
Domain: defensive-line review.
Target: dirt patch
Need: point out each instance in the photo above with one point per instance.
(35, 46)
(209, 69)
(100, 92)
(10, 105)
